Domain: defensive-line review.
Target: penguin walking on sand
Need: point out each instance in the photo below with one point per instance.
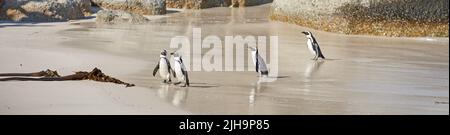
(163, 67)
(313, 46)
(260, 65)
(179, 70)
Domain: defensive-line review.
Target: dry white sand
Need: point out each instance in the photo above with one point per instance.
(26, 47)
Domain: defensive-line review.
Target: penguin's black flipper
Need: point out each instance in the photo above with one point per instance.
(257, 62)
(256, 66)
(187, 77)
(183, 69)
(156, 69)
(173, 73)
(320, 52)
(169, 68)
(317, 49)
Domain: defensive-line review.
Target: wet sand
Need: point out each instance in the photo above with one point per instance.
(361, 75)
(32, 47)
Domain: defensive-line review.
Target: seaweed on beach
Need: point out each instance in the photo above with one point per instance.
(52, 75)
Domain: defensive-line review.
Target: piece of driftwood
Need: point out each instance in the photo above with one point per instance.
(50, 75)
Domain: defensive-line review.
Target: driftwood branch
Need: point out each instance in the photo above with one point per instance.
(50, 75)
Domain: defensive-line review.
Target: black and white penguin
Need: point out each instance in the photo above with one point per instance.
(260, 65)
(313, 46)
(163, 67)
(179, 70)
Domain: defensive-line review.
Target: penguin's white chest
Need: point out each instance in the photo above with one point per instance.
(310, 47)
(254, 57)
(178, 70)
(163, 68)
(261, 65)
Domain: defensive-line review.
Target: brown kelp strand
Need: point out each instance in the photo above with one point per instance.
(52, 75)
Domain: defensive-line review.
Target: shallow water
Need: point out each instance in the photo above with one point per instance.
(361, 75)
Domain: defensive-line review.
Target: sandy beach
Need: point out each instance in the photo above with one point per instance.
(30, 47)
(361, 75)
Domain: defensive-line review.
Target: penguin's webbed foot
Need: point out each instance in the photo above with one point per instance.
(176, 83)
(166, 82)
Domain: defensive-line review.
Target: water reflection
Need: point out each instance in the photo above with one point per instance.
(257, 88)
(311, 69)
(179, 96)
(163, 91)
(176, 96)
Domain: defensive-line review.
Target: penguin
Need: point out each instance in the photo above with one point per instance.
(163, 67)
(260, 65)
(179, 70)
(313, 46)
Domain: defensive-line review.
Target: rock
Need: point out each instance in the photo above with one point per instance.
(201, 4)
(196, 4)
(367, 17)
(118, 16)
(242, 3)
(85, 6)
(143, 7)
(44, 10)
(1, 11)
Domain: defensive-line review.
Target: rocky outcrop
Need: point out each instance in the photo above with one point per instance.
(368, 17)
(1, 11)
(119, 16)
(200, 4)
(143, 7)
(44, 10)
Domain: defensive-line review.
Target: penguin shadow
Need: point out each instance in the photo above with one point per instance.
(269, 79)
(202, 85)
(328, 59)
(280, 76)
